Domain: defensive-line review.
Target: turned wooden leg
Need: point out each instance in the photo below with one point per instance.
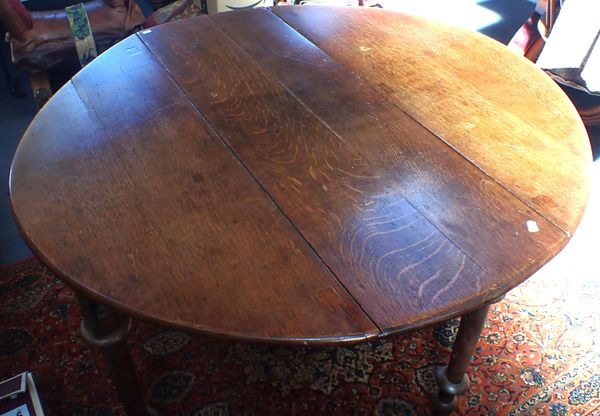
(108, 330)
(40, 85)
(452, 380)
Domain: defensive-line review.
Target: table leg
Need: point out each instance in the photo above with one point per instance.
(452, 379)
(107, 330)
(40, 85)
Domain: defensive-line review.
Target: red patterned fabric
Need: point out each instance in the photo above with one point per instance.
(537, 355)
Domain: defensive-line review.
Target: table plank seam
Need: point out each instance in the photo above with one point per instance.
(283, 197)
(439, 137)
(395, 105)
(186, 96)
(73, 283)
(262, 191)
(329, 128)
(136, 312)
(337, 135)
(100, 119)
(268, 195)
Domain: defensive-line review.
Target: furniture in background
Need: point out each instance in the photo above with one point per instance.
(568, 52)
(40, 40)
(531, 37)
(571, 55)
(363, 173)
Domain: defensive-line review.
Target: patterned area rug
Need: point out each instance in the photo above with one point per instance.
(537, 355)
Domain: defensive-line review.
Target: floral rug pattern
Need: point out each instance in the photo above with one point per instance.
(538, 355)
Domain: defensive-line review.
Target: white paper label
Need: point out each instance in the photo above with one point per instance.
(532, 226)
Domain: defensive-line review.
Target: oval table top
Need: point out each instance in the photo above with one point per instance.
(302, 174)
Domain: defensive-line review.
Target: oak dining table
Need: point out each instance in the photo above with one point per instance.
(300, 175)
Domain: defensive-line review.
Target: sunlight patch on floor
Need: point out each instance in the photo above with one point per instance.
(577, 264)
(468, 14)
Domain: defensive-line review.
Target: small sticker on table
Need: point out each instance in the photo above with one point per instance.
(532, 226)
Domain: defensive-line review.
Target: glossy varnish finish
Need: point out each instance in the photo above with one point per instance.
(176, 228)
(413, 160)
(280, 175)
(473, 95)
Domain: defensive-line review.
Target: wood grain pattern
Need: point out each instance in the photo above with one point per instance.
(401, 269)
(387, 255)
(467, 90)
(285, 191)
(155, 217)
(425, 170)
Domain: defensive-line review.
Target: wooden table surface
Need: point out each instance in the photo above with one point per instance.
(301, 174)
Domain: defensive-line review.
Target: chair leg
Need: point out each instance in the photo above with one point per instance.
(40, 85)
(590, 115)
(551, 9)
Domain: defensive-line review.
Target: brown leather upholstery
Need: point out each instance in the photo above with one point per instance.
(50, 40)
